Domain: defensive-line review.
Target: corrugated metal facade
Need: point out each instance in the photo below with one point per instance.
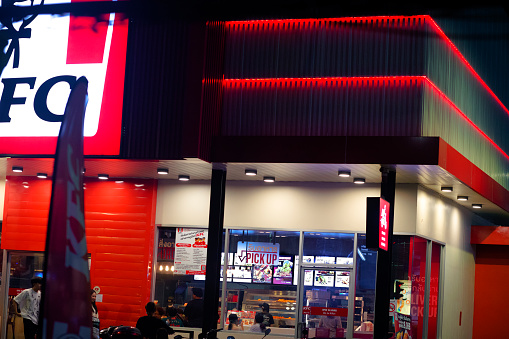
(163, 87)
(120, 222)
(314, 102)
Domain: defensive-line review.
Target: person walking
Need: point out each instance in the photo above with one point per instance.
(95, 316)
(28, 301)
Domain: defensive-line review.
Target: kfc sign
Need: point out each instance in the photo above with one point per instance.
(44, 56)
(377, 224)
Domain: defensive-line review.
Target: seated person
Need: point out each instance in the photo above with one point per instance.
(174, 318)
(149, 324)
(235, 323)
(258, 326)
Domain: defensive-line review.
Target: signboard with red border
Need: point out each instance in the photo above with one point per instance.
(44, 57)
(329, 311)
(377, 223)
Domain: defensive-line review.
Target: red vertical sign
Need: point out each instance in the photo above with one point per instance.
(65, 306)
(383, 225)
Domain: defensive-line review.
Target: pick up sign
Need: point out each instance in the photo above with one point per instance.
(258, 253)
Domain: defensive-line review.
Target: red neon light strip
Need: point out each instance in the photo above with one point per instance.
(425, 18)
(421, 78)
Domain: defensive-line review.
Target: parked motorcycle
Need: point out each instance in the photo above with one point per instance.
(267, 331)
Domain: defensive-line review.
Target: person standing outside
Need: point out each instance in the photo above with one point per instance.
(194, 309)
(95, 316)
(28, 301)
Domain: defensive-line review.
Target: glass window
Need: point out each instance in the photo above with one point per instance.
(180, 269)
(365, 286)
(258, 282)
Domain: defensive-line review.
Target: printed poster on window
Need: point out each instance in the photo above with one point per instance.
(190, 251)
(402, 326)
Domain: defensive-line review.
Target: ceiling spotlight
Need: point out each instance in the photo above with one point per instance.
(119, 182)
(84, 170)
(251, 172)
(359, 180)
(462, 198)
(42, 175)
(162, 171)
(269, 179)
(446, 189)
(344, 174)
(103, 176)
(184, 177)
(17, 169)
(476, 205)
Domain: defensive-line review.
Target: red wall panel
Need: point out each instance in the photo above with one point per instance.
(119, 221)
(490, 298)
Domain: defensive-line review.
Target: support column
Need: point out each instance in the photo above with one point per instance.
(384, 259)
(215, 238)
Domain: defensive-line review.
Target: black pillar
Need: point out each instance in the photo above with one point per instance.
(216, 215)
(384, 261)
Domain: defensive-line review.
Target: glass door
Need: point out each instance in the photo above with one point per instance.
(326, 311)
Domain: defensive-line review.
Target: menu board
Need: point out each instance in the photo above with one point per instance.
(344, 261)
(239, 262)
(190, 251)
(241, 274)
(324, 278)
(262, 274)
(325, 260)
(342, 279)
(296, 271)
(283, 272)
(308, 259)
(230, 258)
(308, 277)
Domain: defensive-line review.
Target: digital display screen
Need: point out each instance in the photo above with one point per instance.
(283, 272)
(325, 260)
(342, 279)
(324, 278)
(241, 274)
(262, 274)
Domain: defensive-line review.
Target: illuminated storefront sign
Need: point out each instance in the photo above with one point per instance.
(258, 253)
(44, 57)
(377, 224)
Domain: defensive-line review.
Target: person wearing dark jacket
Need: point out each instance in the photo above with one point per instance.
(148, 325)
(194, 309)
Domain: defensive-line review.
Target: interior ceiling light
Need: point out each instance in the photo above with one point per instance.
(103, 176)
(446, 189)
(42, 175)
(359, 180)
(251, 172)
(476, 205)
(344, 174)
(17, 169)
(184, 177)
(462, 198)
(269, 179)
(162, 171)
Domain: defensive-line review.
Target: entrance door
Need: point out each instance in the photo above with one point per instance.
(326, 310)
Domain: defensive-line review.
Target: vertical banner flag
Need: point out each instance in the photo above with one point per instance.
(65, 307)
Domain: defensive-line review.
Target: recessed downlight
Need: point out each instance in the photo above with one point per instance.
(162, 171)
(42, 175)
(183, 177)
(344, 173)
(17, 169)
(476, 205)
(251, 172)
(359, 180)
(269, 179)
(103, 176)
(462, 198)
(446, 189)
